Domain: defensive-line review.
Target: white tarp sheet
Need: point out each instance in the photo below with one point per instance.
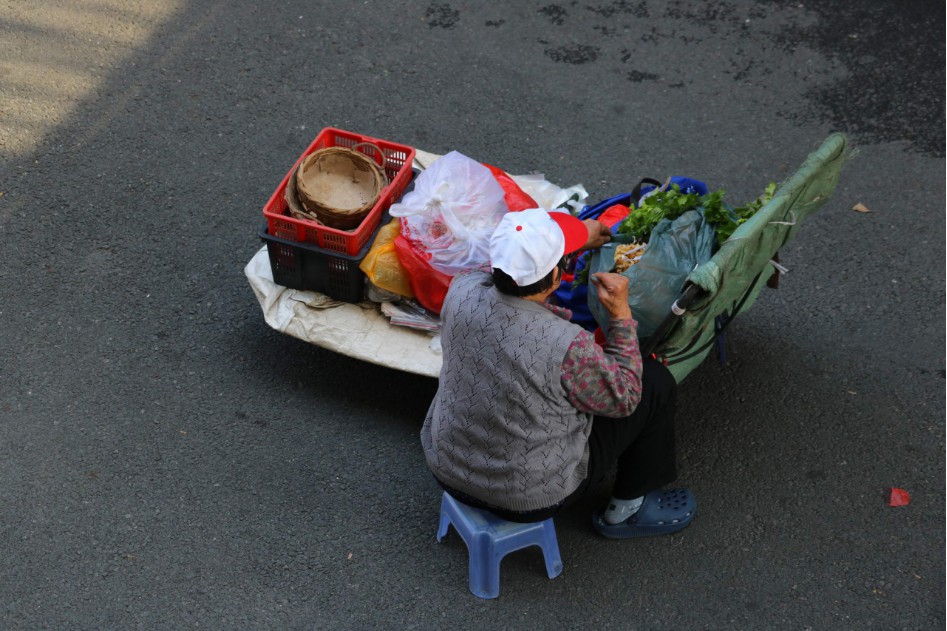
(357, 330)
(360, 330)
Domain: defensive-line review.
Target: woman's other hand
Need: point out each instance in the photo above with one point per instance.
(599, 234)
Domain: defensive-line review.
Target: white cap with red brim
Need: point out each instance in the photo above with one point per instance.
(528, 244)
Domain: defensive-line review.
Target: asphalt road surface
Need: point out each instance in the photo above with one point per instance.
(168, 461)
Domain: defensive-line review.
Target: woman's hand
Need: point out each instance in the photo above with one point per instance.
(599, 234)
(613, 294)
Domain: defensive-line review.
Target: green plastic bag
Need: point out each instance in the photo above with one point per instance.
(674, 250)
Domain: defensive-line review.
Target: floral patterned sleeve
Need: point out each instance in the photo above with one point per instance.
(605, 382)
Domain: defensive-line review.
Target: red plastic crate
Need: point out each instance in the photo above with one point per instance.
(398, 161)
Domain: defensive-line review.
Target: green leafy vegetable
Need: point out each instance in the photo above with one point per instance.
(672, 203)
(726, 220)
(582, 276)
(666, 204)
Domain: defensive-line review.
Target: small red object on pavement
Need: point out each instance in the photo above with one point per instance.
(899, 497)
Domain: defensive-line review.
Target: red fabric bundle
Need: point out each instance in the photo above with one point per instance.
(516, 198)
(428, 284)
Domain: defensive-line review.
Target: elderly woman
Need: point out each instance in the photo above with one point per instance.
(530, 411)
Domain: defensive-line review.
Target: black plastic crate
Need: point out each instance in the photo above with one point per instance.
(306, 266)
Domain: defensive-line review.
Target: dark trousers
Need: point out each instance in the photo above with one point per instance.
(642, 445)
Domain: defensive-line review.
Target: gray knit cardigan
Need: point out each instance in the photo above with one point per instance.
(500, 427)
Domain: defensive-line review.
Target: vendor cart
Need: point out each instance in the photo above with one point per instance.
(713, 295)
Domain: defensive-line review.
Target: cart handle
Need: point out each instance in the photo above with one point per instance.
(679, 308)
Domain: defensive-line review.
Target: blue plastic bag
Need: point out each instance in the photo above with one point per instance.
(688, 186)
(576, 297)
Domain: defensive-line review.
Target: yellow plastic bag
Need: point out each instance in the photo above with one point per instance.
(381, 264)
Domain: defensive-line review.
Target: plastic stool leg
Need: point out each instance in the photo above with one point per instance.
(550, 546)
(442, 527)
(484, 570)
(445, 518)
(445, 521)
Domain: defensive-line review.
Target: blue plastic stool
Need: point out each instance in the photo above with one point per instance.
(490, 538)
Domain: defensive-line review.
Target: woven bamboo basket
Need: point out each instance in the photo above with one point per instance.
(296, 210)
(339, 186)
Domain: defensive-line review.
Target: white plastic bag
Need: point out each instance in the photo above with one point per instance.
(454, 208)
(548, 195)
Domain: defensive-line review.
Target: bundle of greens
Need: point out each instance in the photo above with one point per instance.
(725, 219)
(671, 203)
